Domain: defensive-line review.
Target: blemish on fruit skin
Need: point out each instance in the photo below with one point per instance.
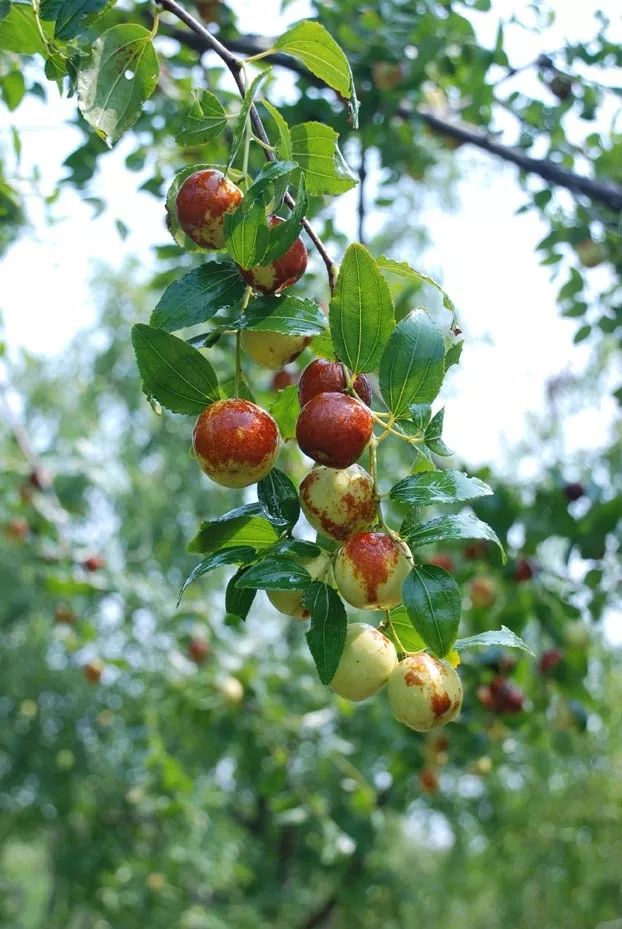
(412, 679)
(354, 509)
(440, 703)
(323, 376)
(373, 557)
(333, 429)
(282, 272)
(202, 201)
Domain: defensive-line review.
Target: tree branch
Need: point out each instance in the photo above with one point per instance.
(609, 194)
(210, 42)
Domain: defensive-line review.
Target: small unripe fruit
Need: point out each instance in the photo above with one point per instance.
(290, 601)
(236, 442)
(94, 563)
(367, 660)
(338, 502)
(482, 766)
(424, 692)
(370, 570)
(334, 429)
(523, 570)
(64, 615)
(589, 253)
(93, 671)
(323, 376)
(561, 86)
(282, 379)
(272, 349)
(155, 881)
(574, 491)
(576, 634)
(482, 592)
(202, 201)
(282, 272)
(232, 691)
(442, 561)
(198, 650)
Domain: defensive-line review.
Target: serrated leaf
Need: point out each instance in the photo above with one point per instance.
(120, 74)
(327, 635)
(402, 269)
(453, 354)
(439, 487)
(267, 176)
(409, 638)
(238, 601)
(246, 525)
(247, 234)
(234, 555)
(276, 574)
(503, 636)
(173, 373)
(288, 315)
(420, 414)
(198, 295)
(433, 436)
(315, 149)
(313, 45)
(433, 603)
(19, 32)
(361, 311)
(70, 16)
(285, 410)
(451, 528)
(279, 497)
(205, 121)
(243, 116)
(412, 366)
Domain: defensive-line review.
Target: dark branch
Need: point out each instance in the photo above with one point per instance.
(361, 203)
(603, 192)
(206, 42)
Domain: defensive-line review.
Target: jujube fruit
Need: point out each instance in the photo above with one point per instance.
(367, 659)
(370, 570)
(338, 502)
(483, 592)
(334, 429)
(272, 349)
(280, 273)
(236, 442)
(290, 601)
(202, 202)
(198, 649)
(93, 671)
(424, 692)
(323, 376)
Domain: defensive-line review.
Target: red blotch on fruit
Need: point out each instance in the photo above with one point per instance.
(282, 272)
(333, 429)
(440, 703)
(412, 679)
(202, 201)
(323, 376)
(373, 557)
(234, 434)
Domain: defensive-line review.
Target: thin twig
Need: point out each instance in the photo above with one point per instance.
(235, 67)
(361, 203)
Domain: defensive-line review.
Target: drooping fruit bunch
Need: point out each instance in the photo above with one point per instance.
(374, 378)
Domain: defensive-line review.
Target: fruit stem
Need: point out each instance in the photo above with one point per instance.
(373, 473)
(238, 362)
(388, 628)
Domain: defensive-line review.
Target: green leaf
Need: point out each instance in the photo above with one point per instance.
(235, 555)
(327, 635)
(246, 525)
(19, 32)
(238, 601)
(409, 638)
(433, 602)
(71, 17)
(433, 436)
(503, 636)
(197, 296)
(402, 269)
(276, 574)
(120, 74)
(285, 410)
(288, 315)
(361, 311)
(438, 487)
(315, 148)
(173, 373)
(412, 366)
(205, 121)
(13, 88)
(297, 548)
(449, 529)
(239, 130)
(267, 176)
(312, 44)
(453, 354)
(278, 132)
(282, 236)
(279, 498)
(247, 234)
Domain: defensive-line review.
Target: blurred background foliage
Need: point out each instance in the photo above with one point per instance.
(148, 780)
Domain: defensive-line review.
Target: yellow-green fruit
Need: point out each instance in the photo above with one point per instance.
(367, 660)
(232, 691)
(290, 601)
(272, 349)
(424, 692)
(370, 570)
(338, 502)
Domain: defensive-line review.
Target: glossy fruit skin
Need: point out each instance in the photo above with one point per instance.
(273, 349)
(282, 272)
(338, 502)
(236, 442)
(283, 379)
(202, 201)
(424, 692)
(289, 602)
(334, 429)
(483, 592)
(370, 570)
(323, 376)
(367, 660)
